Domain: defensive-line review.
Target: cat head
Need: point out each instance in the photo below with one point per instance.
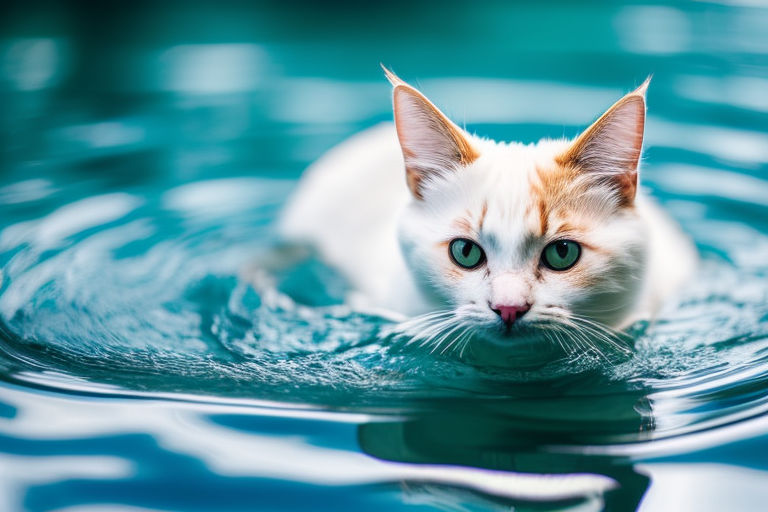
(515, 236)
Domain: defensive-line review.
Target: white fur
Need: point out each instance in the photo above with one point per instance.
(354, 207)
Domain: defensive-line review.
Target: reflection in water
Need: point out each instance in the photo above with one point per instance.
(526, 437)
(178, 325)
(544, 475)
(237, 442)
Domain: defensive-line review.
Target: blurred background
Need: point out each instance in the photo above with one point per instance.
(145, 151)
(187, 88)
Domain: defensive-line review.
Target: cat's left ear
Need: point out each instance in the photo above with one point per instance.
(431, 143)
(609, 150)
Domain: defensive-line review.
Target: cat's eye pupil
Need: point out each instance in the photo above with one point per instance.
(561, 255)
(466, 253)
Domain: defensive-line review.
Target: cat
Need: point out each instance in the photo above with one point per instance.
(462, 233)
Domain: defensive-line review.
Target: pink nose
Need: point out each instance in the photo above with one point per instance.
(509, 314)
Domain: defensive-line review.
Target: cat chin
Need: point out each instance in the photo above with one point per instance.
(523, 333)
(518, 347)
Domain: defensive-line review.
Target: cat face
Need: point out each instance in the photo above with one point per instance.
(515, 237)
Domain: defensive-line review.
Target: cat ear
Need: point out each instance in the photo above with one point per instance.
(610, 149)
(431, 143)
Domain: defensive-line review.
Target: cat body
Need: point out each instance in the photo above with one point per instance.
(422, 217)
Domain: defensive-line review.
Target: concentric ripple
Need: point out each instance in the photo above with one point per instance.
(142, 369)
(147, 294)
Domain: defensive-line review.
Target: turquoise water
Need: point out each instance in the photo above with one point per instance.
(145, 152)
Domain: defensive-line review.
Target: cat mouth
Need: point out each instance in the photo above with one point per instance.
(520, 336)
(517, 329)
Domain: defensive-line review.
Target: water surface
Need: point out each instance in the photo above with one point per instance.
(144, 162)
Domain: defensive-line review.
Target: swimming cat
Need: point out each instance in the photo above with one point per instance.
(424, 218)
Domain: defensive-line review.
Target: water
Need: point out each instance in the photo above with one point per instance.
(146, 151)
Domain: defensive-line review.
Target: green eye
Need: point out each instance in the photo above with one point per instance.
(466, 253)
(561, 255)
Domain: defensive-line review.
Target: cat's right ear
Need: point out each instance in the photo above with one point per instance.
(431, 143)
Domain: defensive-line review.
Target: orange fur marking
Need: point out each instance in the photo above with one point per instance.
(551, 191)
(543, 217)
(454, 273)
(483, 213)
(594, 248)
(581, 278)
(413, 180)
(463, 225)
(627, 181)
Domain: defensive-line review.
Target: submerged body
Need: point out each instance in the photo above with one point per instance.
(497, 235)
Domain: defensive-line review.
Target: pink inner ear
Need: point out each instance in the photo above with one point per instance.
(430, 142)
(611, 147)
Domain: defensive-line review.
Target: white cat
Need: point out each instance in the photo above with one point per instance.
(497, 237)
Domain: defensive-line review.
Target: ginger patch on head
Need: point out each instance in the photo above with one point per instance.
(453, 273)
(463, 225)
(483, 213)
(552, 193)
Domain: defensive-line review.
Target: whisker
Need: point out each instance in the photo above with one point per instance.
(423, 327)
(618, 339)
(587, 335)
(451, 331)
(593, 338)
(459, 341)
(418, 321)
(557, 331)
(444, 338)
(467, 338)
(428, 336)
